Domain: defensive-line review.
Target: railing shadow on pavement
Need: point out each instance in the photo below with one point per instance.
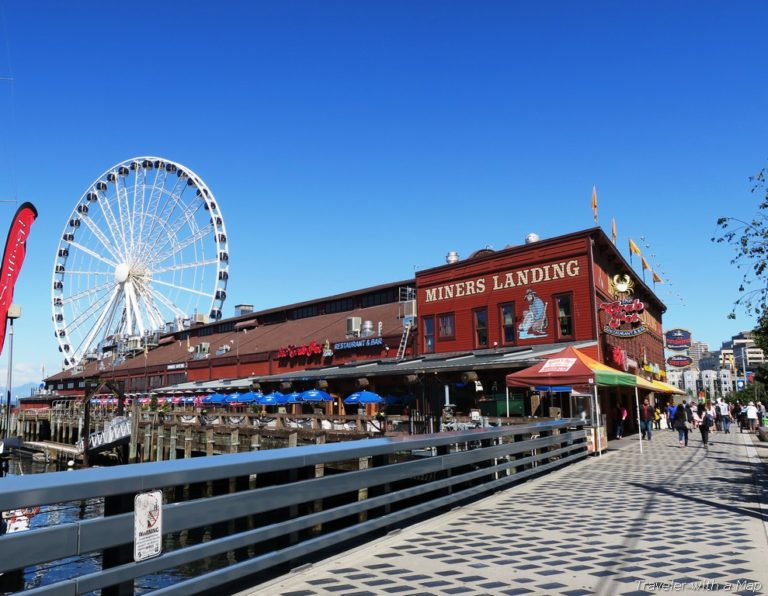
(253, 515)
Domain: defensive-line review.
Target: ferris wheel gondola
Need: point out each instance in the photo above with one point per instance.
(144, 247)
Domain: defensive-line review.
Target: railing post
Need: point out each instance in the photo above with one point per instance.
(317, 505)
(362, 494)
(119, 555)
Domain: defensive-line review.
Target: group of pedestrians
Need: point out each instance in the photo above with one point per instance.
(705, 416)
(748, 416)
(688, 416)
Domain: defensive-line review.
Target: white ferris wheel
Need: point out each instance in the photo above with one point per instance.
(145, 246)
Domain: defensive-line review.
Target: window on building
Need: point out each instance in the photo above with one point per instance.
(429, 334)
(376, 298)
(339, 305)
(176, 378)
(481, 327)
(564, 304)
(507, 318)
(305, 312)
(446, 329)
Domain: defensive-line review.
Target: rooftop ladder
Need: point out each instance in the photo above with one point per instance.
(404, 340)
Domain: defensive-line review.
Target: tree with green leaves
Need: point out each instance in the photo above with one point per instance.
(750, 242)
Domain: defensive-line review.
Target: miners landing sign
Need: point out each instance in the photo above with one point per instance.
(504, 281)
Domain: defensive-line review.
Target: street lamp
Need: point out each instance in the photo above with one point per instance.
(14, 312)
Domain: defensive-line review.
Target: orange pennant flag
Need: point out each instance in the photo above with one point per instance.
(633, 248)
(656, 278)
(594, 202)
(645, 263)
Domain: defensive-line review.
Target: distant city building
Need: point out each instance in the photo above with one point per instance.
(696, 351)
(741, 354)
(709, 361)
(713, 383)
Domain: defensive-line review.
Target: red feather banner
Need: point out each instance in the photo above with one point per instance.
(13, 258)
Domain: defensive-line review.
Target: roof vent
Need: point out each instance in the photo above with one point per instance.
(531, 238)
(452, 257)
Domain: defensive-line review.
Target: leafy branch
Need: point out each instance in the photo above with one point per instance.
(750, 242)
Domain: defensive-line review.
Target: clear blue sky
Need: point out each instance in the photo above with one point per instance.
(350, 143)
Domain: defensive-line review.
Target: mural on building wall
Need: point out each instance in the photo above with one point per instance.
(534, 323)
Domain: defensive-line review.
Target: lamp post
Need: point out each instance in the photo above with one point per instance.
(14, 312)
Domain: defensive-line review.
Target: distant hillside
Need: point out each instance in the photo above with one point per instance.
(24, 390)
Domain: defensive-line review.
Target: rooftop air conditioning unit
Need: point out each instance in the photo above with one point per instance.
(203, 347)
(353, 325)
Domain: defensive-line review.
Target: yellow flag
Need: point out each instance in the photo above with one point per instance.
(633, 248)
(645, 263)
(594, 202)
(613, 230)
(656, 278)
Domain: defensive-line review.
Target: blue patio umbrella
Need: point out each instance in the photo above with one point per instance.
(248, 397)
(272, 399)
(363, 397)
(215, 399)
(232, 398)
(315, 395)
(294, 398)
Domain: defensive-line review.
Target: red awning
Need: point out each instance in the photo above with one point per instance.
(569, 367)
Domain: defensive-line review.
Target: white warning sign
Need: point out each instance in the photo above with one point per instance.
(147, 525)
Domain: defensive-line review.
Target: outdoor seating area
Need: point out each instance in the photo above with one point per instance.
(235, 401)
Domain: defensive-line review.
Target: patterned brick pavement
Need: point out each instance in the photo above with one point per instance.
(684, 521)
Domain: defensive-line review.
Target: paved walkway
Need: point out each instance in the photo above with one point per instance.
(624, 523)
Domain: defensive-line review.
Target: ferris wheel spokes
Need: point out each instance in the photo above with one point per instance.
(184, 266)
(180, 288)
(87, 292)
(198, 234)
(92, 253)
(109, 218)
(100, 235)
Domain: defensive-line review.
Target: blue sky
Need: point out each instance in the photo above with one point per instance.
(351, 143)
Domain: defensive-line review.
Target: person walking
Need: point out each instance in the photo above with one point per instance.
(751, 417)
(657, 418)
(671, 416)
(725, 415)
(707, 422)
(646, 419)
(680, 424)
(621, 416)
(738, 414)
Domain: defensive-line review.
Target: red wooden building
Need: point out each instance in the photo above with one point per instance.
(472, 322)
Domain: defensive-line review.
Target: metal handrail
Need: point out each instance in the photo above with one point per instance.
(421, 474)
